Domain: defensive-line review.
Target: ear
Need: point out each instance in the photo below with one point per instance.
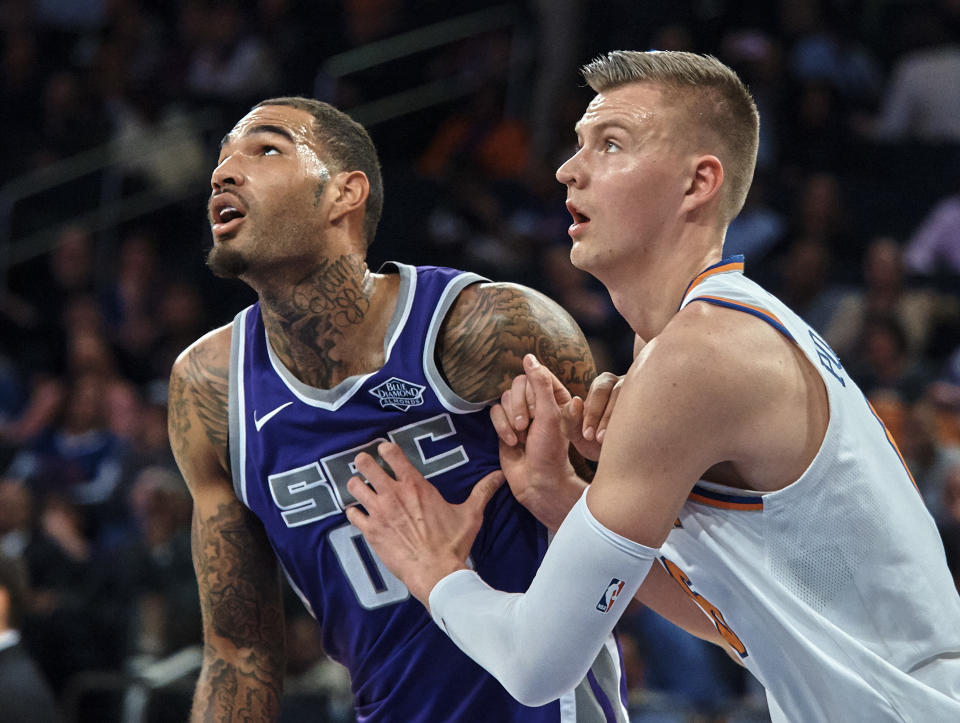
(705, 182)
(349, 194)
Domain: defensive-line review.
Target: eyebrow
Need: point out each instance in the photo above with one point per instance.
(600, 126)
(263, 128)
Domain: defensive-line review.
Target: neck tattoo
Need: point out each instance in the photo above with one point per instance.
(306, 328)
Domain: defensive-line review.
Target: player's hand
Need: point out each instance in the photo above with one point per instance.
(582, 422)
(533, 444)
(512, 416)
(585, 421)
(418, 535)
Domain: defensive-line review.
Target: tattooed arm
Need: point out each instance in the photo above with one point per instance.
(480, 350)
(489, 329)
(244, 657)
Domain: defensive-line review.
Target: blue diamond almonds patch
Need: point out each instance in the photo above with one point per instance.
(398, 394)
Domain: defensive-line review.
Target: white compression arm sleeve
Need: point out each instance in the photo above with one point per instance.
(540, 644)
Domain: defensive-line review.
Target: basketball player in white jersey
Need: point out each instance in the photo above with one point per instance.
(740, 458)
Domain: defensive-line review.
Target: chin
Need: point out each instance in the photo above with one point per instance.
(226, 262)
(579, 257)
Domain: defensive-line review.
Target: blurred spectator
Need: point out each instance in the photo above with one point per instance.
(934, 247)
(16, 518)
(88, 349)
(758, 228)
(71, 17)
(757, 58)
(883, 361)
(922, 100)
(822, 214)
(75, 622)
(944, 393)
(38, 412)
(885, 293)
(928, 457)
(829, 52)
(231, 63)
(815, 134)
(478, 136)
(52, 289)
(804, 281)
(72, 121)
(156, 570)
(154, 141)
(78, 456)
(27, 696)
(131, 303)
(181, 318)
(20, 105)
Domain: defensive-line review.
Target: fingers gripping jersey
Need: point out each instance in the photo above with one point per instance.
(291, 452)
(834, 591)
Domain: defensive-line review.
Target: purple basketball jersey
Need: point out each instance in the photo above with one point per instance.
(291, 451)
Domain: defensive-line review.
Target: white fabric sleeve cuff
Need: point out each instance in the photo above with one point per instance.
(541, 643)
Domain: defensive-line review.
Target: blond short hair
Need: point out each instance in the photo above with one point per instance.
(715, 102)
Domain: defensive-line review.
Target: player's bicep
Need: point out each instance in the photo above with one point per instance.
(664, 596)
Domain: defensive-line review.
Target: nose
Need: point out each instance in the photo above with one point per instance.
(227, 172)
(570, 173)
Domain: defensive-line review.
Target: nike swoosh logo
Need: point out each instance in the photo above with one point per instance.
(258, 423)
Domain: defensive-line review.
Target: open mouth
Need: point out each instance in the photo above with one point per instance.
(579, 217)
(226, 213)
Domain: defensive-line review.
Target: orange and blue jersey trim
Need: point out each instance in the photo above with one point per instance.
(748, 308)
(734, 264)
(731, 263)
(892, 442)
(724, 500)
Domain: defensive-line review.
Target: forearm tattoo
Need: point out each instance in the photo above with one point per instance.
(244, 657)
(487, 333)
(305, 328)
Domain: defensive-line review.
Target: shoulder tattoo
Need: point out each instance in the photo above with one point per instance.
(199, 390)
(491, 328)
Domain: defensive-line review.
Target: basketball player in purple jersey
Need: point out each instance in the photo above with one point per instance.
(268, 413)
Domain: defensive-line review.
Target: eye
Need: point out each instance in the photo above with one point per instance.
(610, 146)
(270, 150)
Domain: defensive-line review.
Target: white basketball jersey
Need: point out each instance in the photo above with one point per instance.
(834, 591)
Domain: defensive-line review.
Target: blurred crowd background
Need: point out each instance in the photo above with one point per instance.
(111, 113)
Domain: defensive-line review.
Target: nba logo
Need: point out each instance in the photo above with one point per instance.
(609, 595)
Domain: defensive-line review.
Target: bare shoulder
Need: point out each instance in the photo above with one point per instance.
(747, 389)
(708, 379)
(722, 351)
(198, 403)
(489, 329)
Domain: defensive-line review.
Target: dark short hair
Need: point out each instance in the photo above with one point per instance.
(715, 100)
(349, 148)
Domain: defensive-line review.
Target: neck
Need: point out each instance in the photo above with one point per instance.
(323, 327)
(648, 293)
